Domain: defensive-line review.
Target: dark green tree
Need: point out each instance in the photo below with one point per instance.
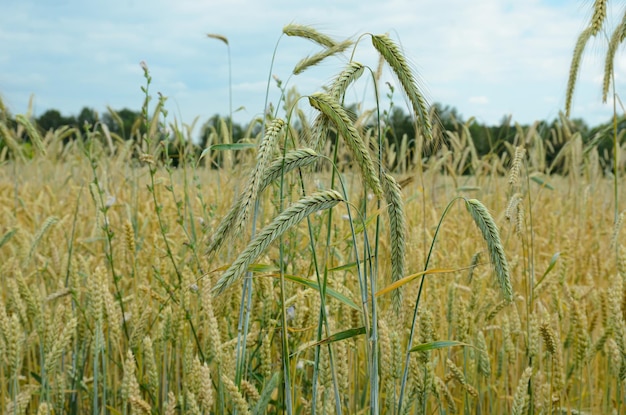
(87, 116)
(52, 120)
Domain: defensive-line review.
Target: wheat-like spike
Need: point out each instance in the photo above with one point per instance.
(44, 409)
(579, 321)
(616, 229)
(441, 391)
(339, 117)
(96, 296)
(574, 66)
(264, 155)
(129, 386)
(288, 218)
(31, 297)
(20, 403)
(390, 51)
(265, 355)
(307, 32)
(386, 363)
(191, 404)
(250, 391)
(4, 328)
(150, 367)
(219, 37)
(549, 338)
(15, 340)
(599, 16)
(520, 399)
(456, 372)
(238, 400)
(316, 58)
(129, 238)
(170, 406)
(44, 227)
(484, 363)
(113, 312)
(139, 405)
(488, 227)
(139, 329)
(205, 394)
(15, 300)
(617, 37)
(397, 233)
(519, 221)
(516, 166)
(293, 159)
(214, 336)
(223, 231)
(350, 74)
(343, 366)
(60, 345)
(11, 141)
(32, 132)
(614, 356)
(512, 211)
(426, 333)
(319, 132)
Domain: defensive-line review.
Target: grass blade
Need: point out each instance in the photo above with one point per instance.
(314, 285)
(439, 344)
(399, 283)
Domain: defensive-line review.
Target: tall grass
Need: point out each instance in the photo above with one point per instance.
(306, 280)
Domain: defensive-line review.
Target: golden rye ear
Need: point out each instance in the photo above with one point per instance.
(286, 219)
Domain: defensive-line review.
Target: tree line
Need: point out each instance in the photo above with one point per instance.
(399, 126)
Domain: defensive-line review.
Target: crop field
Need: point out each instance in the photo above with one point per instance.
(310, 267)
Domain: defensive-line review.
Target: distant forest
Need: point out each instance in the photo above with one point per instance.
(487, 139)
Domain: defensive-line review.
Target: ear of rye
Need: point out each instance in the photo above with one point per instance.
(288, 218)
(338, 116)
(283, 165)
(264, 156)
(319, 57)
(307, 32)
(397, 233)
(392, 55)
(488, 228)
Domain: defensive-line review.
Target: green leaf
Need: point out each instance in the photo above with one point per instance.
(315, 286)
(409, 278)
(541, 182)
(7, 236)
(342, 335)
(440, 344)
(251, 268)
(468, 189)
(551, 265)
(348, 266)
(204, 153)
(271, 271)
(233, 146)
(266, 394)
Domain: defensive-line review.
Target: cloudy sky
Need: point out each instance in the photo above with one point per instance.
(487, 58)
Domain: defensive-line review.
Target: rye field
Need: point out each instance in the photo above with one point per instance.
(310, 267)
